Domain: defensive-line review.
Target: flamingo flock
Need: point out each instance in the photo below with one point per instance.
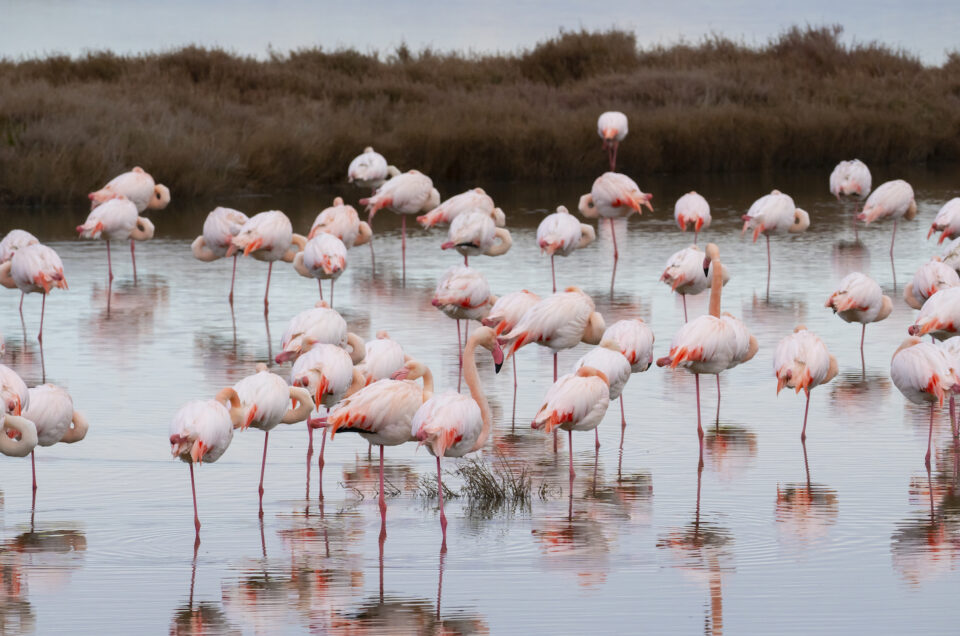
(340, 384)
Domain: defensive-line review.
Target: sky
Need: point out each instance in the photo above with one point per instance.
(926, 28)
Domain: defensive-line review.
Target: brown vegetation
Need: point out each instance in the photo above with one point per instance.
(208, 122)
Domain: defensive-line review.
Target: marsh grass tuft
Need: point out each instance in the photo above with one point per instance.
(487, 486)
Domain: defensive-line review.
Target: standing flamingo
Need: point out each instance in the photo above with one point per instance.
(51, 411)
(692, 210)
(607, 357)
(614, 195)
(860, 299)
(689, 272)
(324, 257)
(381, 413)
(117, 220)
(504, 315)
(635, 341)
(409, 193)
(712, 343)
(802, 361)
(893, 199)
(851, 179)
(451, 424)
(343, 222)
(318, 325)
(140, 188)
(384, 357)
(923, 374)
(576, 402)
(947, 220)
(14, 395)
(929, 279)
(219, 229)
(939, 316)
(18, 435)
(265, 403)
(562, 233)
(201, 431)
(475, 200)
(612, 128)
(12, 241)
(269, 237)
(34, 268)
(370, 169)
(475, 233)
(463, 294)
(774, 213)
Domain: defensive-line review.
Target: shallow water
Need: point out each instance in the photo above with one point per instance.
(847, 534)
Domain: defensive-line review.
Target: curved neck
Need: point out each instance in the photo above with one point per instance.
(358, 382)
(143, 230)
(28, 436)
(237, 415)
(472, 378)
(716, 288)
(505, 241)
(358, 348)
(427, 384)
(363, 236)
(5, 278)
(297, 243)
(304, 404)
(587, 235)
(76, 432)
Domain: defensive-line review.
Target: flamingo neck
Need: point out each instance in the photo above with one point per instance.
(472, 378)
(427, 384)
(716, 288)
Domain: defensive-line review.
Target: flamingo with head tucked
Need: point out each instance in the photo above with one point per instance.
(219, 229)
(463, 294)
(693, 211)
(14, 395)
(689, 272)
(607, 357)
(859, 298)
(891, 200)
(116, 219)
(635, 340)
(932, 276)
(324, 258)
(851, 179)
(34, 268)
(504, 315)
(939, 316)
(341, 221)
(802, 361)
(318, 325)
(774, 213)
(52, 413)
(12, 241)
(369, 169)
(947, 220)
(475, 200)
(475, 233)
(612, 128)
(384, 357)
(451, 424)
(269, 237)
(561, 233)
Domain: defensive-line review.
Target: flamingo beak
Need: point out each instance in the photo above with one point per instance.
(497, 357)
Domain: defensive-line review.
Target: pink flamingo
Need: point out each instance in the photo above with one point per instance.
(12, 241)
(802, 361)
(18, 435)
(939, 316)
(692, 210)
(324, 257)
(475, 233)
(34, 268)
(561, 233)
(504, 315)
(606, 357)
(343, 222)
(14, 396)
(851, 179)
(635, 340)
(219, 229)
(451, 424)
(947, 220)
(51, 411)
(612, 128)
(475, 200)
(860, 299)
(774, 213)
(116, 219)
(463, 294)
(892, 200)
(689, 272)
(370, 169)
(318, 325)
(932, 276)
(384, 357)
(269, 237)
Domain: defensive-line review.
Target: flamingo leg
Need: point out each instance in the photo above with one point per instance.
(266, 294)
(459, 357)
(43, 308)
(596, 435)
(263, 468)
(684, 297)
(21, 304)
(33, 469)
(768, 266)
(929, 438)
(332, 281)
(616, 254)
(466, 261)
(233, 278)
(133, 257)
(806, 464)
(953, 419)
(696, 377)
(383, 501)
(403, 246)
(806, 410)
(309, 456)
(196, 516)
(373, 256)
(320, 286)
(717, 424)
(570, 453)
(863, 363)
(553, 274)
(443, 517)
(554, 379)
(623, 422)
(513, 421)
(109, 262)
(320, 462)
(893, 267)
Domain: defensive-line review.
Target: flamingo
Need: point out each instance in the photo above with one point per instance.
(475, 233)
(860, 299)
(635, 341)
(324, 257)
(475, 200)
(318, 325)
(614, 195)
(932, 276)
(14, 396)
(451, 424)
(947, 220)
(561, 233)
(712, 343)
(201, 431)
(802, 361)
(52, 413)
(612, 128)
(12, 241)
(689, 272)
(576, 402)
(951, 348)
(18, 435)
(951, 254)
(269, 237)
(370, 169)
(505, 314)
(851, 179)
(692, 210)
(463, 294)
(939, 316)
(140, 188)
(384, 357)
(408, 193)
(774, 213)
(893, 199)
(116, 219)
(607, 357)
(343, 222)
(34, 268)
(219, 229)
(381, 413)
(923, 374)
(265, 403)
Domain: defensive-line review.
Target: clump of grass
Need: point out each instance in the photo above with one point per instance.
(208, 122)
(487, 486)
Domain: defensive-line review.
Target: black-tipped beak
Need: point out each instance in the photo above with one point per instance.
(497, 366)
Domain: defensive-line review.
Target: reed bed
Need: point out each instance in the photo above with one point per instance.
(207, 122)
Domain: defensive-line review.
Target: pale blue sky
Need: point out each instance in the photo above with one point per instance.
(29, 28)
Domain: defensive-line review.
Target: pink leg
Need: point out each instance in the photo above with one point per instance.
(109, 262)
(596, 436)
(263, 468)
(696, 235)
(555, 379)
(684, 297)
(266, 294)
(233, 278)
(133, 257)
(21, 304)
(863, 334)
(466, 261)
(403, 245)
(33, 468)
(443, 517)
(893, 267)
(513, 363)
(196, 516)
(320, 462)
(43, 308)
(806, 410)
(320, 287)
(613, 233)
(929, 438)
(332, 281)
(953, 419)
(718, 404)
(383, 502)
(373, 257)
(459, 357)
(309, 456)
(570, 453)
(696, 377)
(553, 274)
(768, 265)
(623, 421)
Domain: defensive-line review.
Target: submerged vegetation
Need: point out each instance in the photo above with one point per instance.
(487, 487)
(209, 122)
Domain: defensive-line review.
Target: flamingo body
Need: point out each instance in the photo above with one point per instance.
(463, 294)
(475, 200)
(51, 410)
(692, 211)
(922, 372)
(115, 219)
(859, 298)
(326, 371)
(381, 412)
(343, 222)
(614, 195)
(947, 221)
(369, 169)
(607, 358)
(138, 186)
(318, 325)
(219, 229)
(267, 236)
(891, 200)
(475, 233)
(383, 358)
(265, 399)
(635, 340)
(324, 257)
(575, 402)
(850, 178)
(408, 193)
(509, 309)
(929, 279)
(559, 322)
(14, 240)
(939, 316)
(37, 268)
(560, 233)
(448, 424)
(801, 361)
(201, 431)
(775, 213)
(685, 272)
(13, 391)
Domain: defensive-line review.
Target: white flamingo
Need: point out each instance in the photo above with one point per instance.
(324, 258)
(116, 220)
(612, 128)
(693, 211)
(947, 220)
(689, 272)
(52, 413)
(34, 268)
(318, 325)
(475, 233)
(801, 362)
(929, 279)
(635, 341)
(475, 200)
(12, 241)
(370, 169)
(560, 234)
(269, 237)
(219, 229)
(774, 213)
(463, 294)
